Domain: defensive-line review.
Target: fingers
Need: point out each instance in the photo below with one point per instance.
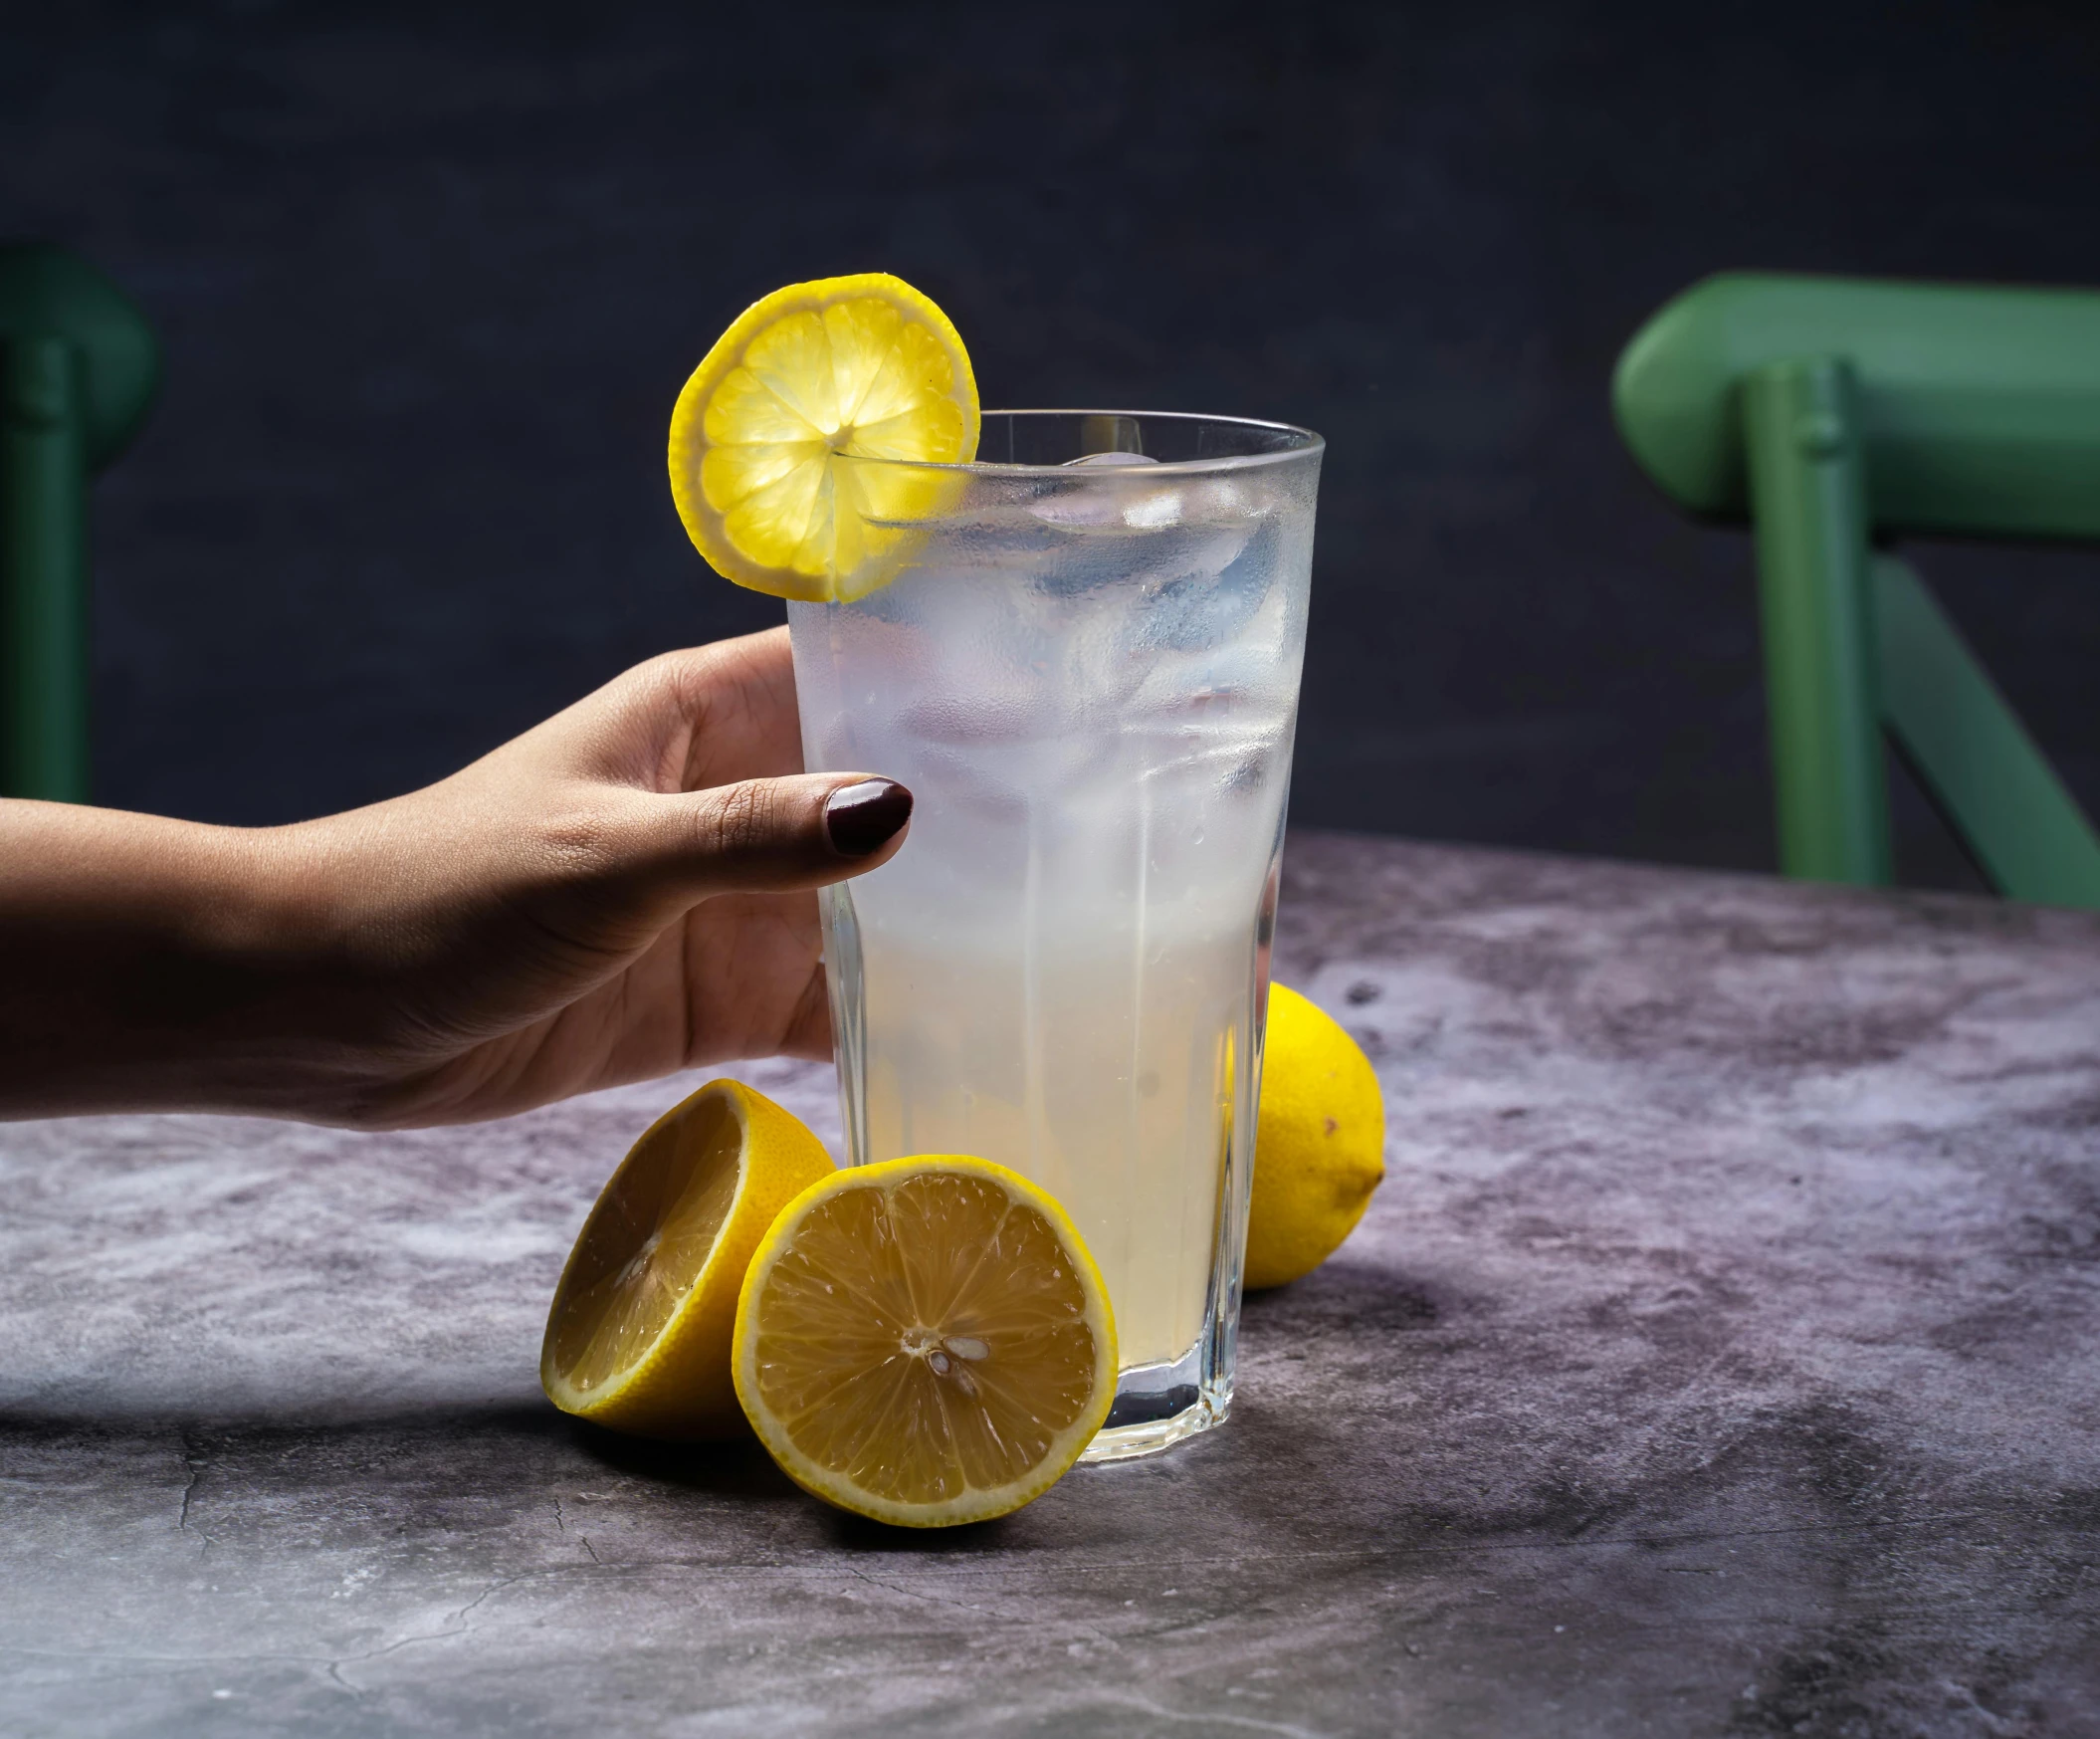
(738, 701)
(706, 716)
(770, 835)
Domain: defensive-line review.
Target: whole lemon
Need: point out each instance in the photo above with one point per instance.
(1318, 1145)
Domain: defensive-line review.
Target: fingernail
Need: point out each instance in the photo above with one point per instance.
(865, 817)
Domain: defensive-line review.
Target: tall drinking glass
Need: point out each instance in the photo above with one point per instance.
(1085, 666)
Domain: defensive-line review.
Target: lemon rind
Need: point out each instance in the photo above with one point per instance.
(1270, 1259)
(977, 1504)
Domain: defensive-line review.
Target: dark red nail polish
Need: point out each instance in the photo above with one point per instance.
(865, 817)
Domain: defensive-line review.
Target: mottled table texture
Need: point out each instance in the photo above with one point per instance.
(1721, 1356)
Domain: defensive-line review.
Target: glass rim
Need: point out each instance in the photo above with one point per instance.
(1307, 443)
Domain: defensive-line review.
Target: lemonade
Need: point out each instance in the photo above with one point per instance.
(1087, 673)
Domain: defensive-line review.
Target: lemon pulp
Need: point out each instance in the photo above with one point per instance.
(638, 1334)
(636, 1262)
(925, 1341)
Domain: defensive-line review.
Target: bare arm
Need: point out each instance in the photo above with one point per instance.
(622, 891)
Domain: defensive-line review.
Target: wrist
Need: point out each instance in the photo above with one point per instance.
(152, 964)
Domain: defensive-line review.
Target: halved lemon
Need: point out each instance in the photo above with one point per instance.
(862, 367)
(638, 1336)
(924, 1341)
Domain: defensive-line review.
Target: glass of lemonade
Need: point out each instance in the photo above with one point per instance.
(1086, 669)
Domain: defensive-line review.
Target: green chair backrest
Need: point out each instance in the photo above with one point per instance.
(77, 368)
(1833, 414)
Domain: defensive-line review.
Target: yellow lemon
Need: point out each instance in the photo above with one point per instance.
(638, 1336)
(924, 1341)
(767, 436)
(1320, 1144)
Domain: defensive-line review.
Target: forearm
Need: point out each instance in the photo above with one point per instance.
(622, 891)
(146, 962)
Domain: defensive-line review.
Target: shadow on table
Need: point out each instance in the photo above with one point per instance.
(735, 1467)
(741, 1467)
(858, 1534)
(1357, 1297)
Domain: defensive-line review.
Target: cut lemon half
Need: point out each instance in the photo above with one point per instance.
(766, 432)
(925, 1341)
(638, 1336)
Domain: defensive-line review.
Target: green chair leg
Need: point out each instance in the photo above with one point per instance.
(1971, 751)
(1802, 443)
(44, 620)
(77, 367)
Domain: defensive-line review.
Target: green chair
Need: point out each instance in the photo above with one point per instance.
(77, 367)
(1835, 413)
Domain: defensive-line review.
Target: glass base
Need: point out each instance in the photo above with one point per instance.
(1157, 1407)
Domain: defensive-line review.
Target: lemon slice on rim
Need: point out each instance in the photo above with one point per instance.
(924, 1341)
(638, 1335)
(859, 368)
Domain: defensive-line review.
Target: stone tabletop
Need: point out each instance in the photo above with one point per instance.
(1722, 1355)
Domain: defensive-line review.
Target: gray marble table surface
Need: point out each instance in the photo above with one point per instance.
(1722, 1355)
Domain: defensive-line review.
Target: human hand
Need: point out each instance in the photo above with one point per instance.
(623, 891)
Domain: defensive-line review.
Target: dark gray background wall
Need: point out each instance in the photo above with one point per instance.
(429, 278)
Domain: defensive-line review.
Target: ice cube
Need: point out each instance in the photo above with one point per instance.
(1205, 594)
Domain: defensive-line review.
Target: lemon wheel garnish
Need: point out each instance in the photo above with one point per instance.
(863, 368)
(638, 1336)
(924, 1341)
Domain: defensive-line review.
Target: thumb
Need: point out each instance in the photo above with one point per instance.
(772, 835)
